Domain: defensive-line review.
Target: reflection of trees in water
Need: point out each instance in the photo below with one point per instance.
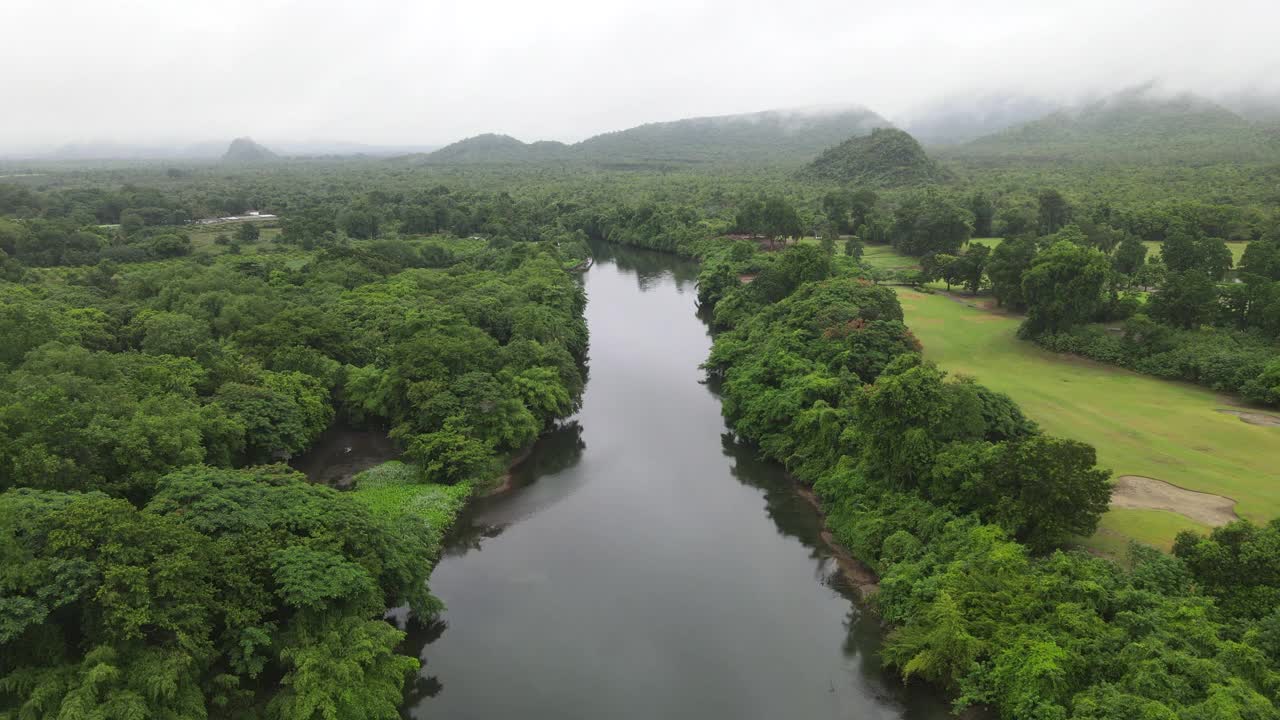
(417, 637)
(650, 266)
(556, 451)
(793, 516)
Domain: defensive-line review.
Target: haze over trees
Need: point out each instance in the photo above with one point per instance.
(244, 149)
(157, 560)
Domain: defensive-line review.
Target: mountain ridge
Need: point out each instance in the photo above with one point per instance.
(767, 136)
(1131, 125)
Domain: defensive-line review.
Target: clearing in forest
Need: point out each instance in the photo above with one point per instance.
(1140, 425)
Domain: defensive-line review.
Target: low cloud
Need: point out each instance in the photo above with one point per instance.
(404, 72)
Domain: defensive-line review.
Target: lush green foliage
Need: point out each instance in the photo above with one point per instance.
(146, 357)
(228, 592)
(958, 501)
(141, 574)
(887, 156)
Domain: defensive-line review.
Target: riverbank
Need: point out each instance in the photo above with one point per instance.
(645, 565)
(861, 577)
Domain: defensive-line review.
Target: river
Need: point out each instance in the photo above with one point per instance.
(645, 565)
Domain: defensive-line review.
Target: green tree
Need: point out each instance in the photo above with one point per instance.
(247, 232)
(984, 212)
(1185, 300)
(971, 266)
(1005, 268)
(359, 221)
(930, 223)
(1130, 255)
(1043, 490)
(1054, 211)
(1064, 287)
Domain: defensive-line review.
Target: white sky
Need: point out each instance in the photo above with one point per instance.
(429, 72)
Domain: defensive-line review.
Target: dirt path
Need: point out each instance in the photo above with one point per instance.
(1144, 493)
(1254, 418)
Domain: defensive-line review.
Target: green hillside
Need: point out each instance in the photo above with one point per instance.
(886, 157)
(492, 148)
(775, 136)
(771, 136)
(1132, 126)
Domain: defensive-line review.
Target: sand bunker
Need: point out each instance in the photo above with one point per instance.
(1253, 418)
(1144, 493)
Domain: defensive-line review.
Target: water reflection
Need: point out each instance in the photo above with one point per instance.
(486, 518)
(341, 453)
(650, 268)
(632, 572)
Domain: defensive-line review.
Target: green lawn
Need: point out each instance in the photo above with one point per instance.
(884, 257)
(991, 242)
(1237, 250)
(1140, 425)
(203, 237)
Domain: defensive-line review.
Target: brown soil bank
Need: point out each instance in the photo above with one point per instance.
(1254, 418)
(1144, 493)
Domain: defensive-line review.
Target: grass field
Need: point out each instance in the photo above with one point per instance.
(1139, 425)
(1237, 250)
(1153, 247)
(203, 237)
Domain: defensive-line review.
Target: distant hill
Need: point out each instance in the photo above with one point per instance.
(961, 119)
(244, 149)
(770, 136)
(1258, 107)
(775, 136)
(886, 157)
(343, 148)
(1132, 126)
(492, 148)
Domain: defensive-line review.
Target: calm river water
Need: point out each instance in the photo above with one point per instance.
(646, 566)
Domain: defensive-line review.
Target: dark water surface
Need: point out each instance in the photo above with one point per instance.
(647, 567)
(341, 453)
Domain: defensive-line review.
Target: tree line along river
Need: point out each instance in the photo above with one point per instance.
(645, 565)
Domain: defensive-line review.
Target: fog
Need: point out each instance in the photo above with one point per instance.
(399, 72)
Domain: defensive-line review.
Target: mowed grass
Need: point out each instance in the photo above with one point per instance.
(1140, 425)
(1237, 250)
(884, 257)
(203, 237)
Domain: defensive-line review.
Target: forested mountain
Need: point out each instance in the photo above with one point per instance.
(1134, 125)
(774, 135)
(492, 148)
(961, 119)
(770, 136)
(886, 157)
(244, 149)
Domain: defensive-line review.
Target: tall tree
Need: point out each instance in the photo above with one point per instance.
(1064, 287)
(984, 212)
(1054, 211)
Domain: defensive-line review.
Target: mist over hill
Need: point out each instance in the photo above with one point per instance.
(964, 118)
(773, 136)
(244, 149)
(1137, 125)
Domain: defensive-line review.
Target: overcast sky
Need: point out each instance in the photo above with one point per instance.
(427, 72)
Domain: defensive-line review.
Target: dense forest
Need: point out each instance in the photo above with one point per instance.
(962, 505)
(158, 557)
